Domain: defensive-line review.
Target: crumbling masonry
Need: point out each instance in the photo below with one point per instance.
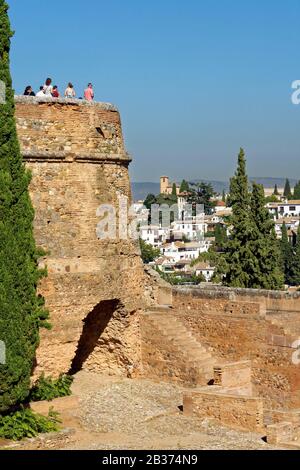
(95, 288)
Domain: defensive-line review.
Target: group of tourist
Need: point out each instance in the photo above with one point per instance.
(48, 90)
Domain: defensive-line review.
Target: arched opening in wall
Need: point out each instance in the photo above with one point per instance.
(93, 327)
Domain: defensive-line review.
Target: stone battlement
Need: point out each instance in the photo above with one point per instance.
(66, 130)
(36, 100)
(269, 301)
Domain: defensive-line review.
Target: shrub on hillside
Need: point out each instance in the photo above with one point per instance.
(24, 423)
(47, 388)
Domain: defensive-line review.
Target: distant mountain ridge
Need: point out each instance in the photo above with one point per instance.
(141, 190)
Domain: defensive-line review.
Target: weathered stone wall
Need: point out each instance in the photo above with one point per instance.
(235, 377)
(270, 301)
(187, 300)
(245, 413)
(69, 130)
(243, 333)
(95, 288)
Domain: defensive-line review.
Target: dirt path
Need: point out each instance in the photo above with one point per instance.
(141, 414)
(124, 414)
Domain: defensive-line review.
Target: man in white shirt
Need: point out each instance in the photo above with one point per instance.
(41, 92)
(48, 88)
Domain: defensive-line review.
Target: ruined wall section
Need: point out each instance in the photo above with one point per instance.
(76, 153)
(236, 330)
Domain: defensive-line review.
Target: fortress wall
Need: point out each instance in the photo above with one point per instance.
(95, 288)
(69, 129)
(270, 301)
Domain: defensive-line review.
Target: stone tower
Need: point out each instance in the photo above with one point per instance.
(95, 288)
(164, 184)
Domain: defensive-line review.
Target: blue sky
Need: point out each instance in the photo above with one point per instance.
(194, 80)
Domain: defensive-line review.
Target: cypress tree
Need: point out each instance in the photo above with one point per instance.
(220, 236)
(224, 196)
(21, 310)
(174, 190)
(239, 258)
(276, 192)
(252, 254)
(184, 187)
(287, 190)
(286, 254)
(294, 277)
(202, 193)
(297, 191)
(265, 247)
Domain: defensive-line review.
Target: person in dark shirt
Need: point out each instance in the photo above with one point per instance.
(29, 91)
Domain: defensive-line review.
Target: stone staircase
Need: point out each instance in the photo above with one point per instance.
(211, 389)
(179, 348)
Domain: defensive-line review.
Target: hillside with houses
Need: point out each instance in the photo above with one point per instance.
(188, 246)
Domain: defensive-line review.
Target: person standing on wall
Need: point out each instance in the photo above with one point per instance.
(89, 93)
(29, 91)
(70, 92)
(48, 88)
(41, 94)
(55, 92)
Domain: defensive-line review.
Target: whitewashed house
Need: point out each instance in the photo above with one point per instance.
(190, 229)
(154, 235)
(178, 251)
(284, 209)
(292, 223)
(205, 269)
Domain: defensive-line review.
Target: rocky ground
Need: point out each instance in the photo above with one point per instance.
(142, 414)
(124, 414)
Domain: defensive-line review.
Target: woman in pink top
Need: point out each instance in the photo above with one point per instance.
(89, 93)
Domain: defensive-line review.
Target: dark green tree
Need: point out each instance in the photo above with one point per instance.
(294, 276)
(287, 190)
(220, 236)
(174, 193)
(148, 252)
(21, 310)
(166, 199)
(202, 193)
(276, 192)
(286, 254)
(239, 259)
(271, 198)
(297, 191)
(184, 187)
(267, 272)
(149, 201)
(224, 196)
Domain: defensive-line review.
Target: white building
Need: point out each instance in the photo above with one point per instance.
(142, 213)
(205, 269)
(220, 206)
(191, 229)
(292, 223)
(154, 235)
(165, 265)
(284, 209)
(178, 251)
